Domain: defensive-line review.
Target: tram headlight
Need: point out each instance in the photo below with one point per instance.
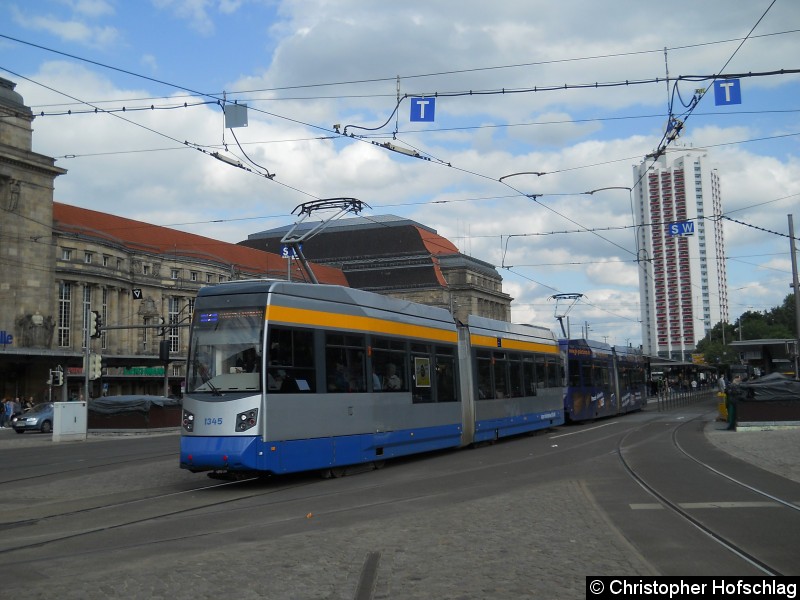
(188, 420)
(247, 419)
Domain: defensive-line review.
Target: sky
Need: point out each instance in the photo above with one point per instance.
(573, 94)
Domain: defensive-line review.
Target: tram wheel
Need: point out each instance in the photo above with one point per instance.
(332, 473)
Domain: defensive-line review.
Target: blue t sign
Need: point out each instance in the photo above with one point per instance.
(727, 91)
(423, 109)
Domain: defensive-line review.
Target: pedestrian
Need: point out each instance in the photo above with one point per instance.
(731, 398)
(722, 384)
(3, 412)
(9, 411)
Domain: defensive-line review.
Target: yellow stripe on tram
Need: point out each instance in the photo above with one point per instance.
(302, 316)
(508, 344)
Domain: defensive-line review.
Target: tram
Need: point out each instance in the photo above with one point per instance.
(601, 380)
(286, 377)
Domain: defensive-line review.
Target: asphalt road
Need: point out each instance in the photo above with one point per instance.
(525, 518)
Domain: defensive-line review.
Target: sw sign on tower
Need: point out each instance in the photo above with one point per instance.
(681, 228)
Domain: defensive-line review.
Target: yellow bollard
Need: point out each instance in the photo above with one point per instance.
(721, 406)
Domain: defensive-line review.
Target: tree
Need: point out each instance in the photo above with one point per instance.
(777, 323)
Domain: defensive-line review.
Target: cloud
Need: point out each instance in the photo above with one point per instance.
(92, 8)
(73, 28)
(194, 12)
(70, 30)
(150, 61)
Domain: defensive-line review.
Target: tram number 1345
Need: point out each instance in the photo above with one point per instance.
(212, 421)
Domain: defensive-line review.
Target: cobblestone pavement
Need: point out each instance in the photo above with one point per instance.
(518, 546)
(772, 448)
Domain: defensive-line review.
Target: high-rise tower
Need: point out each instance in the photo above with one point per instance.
(682, 280)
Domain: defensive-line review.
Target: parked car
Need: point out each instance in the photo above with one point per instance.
(38, 418)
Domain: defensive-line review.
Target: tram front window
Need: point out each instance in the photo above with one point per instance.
(225, 355)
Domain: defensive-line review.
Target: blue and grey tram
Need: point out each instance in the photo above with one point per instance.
(287, 377)
(601, 380)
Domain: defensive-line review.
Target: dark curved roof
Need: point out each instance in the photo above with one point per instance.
(379, 252)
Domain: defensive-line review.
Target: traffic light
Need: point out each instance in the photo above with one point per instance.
(95, 324)
(95, 368)
(57, 378)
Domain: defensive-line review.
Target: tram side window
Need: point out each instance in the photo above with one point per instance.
(421, 375)
(574, 373)
(529, 376)
(541, 372)
(625, 377)
(389, 365)
(601, 377)
(586, 375)
(445, 375)
(484, 374)
(556, 372)
(291, 361)
(547, 369)
(515, 376)
(345, 363)
(501, 385)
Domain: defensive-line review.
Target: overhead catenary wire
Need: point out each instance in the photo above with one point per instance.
(240, 148)
(218, 95)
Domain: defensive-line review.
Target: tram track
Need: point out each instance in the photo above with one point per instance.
(55, 469)
(753, 489)
(110, 525)
(105, 507)
(722, 531)
(204, 507)
(151, 509)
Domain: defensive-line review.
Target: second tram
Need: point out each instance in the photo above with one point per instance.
(601, 380)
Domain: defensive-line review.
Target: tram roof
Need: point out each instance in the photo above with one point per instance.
(334, 294)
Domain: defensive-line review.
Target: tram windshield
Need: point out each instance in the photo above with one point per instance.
(225, 355)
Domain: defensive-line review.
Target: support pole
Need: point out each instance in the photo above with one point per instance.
(796, 289)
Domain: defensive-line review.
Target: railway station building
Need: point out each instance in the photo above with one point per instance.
(401, 258)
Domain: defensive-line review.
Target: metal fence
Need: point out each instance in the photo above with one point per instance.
(669, 399)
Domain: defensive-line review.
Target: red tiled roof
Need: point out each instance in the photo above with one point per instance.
(146, 237)
(436, 245)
